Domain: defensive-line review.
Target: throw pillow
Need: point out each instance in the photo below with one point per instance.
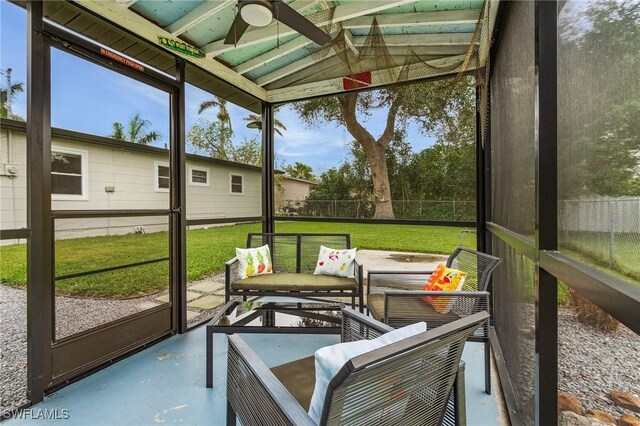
(444, 279)
(254, 261)
(335, 262)
(330, 359)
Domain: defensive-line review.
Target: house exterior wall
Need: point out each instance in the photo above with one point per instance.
(292, 190)
(131, 175)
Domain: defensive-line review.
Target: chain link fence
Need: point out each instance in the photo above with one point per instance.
(363, 209)
(606, 230)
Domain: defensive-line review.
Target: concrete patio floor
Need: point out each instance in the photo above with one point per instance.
(165, 383)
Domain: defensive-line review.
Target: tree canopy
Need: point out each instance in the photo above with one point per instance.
(136, 131)
(433, 106)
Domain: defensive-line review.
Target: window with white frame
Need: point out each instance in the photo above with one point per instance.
(68, 174)
(163, 177)
(199, 176)
(236, 184)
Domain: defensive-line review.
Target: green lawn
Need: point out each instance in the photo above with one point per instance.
(207, 250)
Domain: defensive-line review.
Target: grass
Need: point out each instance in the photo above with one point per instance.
(207, 250)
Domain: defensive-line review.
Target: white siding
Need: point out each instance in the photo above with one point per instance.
(132, 175)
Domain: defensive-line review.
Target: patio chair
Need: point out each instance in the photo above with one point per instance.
(416, 381)
(396, 297)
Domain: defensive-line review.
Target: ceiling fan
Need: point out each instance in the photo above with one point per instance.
(259, 13)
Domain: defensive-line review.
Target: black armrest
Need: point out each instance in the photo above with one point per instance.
(250, 384)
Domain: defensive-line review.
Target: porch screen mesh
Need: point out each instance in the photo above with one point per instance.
(513, 199)
(599, 134)
(512, 123)
(514, 321)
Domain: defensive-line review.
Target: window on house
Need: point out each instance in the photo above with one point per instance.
(68, 173)
(199, 177)
(236, 184)
(163, 178)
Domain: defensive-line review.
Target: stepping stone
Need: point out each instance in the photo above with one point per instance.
(143, 306)
(163, 299)
(191, 315)
(206, 287)
(206, 302)
(191, 295)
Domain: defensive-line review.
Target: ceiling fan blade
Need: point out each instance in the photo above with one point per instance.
(238, 28)
(295, 21)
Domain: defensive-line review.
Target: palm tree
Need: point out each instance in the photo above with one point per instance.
(254, 121)
(6, 95)
(223, 117)
(135, 132)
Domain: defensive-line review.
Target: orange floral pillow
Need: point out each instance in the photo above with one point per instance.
(443, 279)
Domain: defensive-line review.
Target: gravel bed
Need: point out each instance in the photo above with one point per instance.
(13, 347)
(591, 363)
(73, 314)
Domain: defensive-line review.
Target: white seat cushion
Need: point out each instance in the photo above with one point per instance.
(330, 359)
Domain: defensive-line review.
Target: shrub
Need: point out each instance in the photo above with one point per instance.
(591, 314)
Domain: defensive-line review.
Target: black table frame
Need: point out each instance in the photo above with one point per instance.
(268, 324)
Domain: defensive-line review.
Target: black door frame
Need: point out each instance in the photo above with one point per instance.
(53, 363)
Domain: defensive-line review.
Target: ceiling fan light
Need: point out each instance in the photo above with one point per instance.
(256, 15)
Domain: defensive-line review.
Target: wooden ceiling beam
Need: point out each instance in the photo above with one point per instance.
(342, 13)
(447, 17)
(126, 3)
(334, 86)
(449, 39)
(273, 54)
(293, 67)
(146, 30)
(197, 15)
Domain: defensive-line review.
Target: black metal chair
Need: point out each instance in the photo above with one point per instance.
(396, 297)
(415, 381)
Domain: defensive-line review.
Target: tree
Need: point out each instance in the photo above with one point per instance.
(136, 131)
(248, 152)
(254, 121)
(300, 170)
(7, 94)
(212, 138)
(425, 104)
(223, 116)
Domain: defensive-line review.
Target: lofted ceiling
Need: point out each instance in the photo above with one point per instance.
(423, 38)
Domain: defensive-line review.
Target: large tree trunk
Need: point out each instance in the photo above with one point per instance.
(375, 152)
(380, 177)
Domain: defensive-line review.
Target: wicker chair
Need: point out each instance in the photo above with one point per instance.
(416, 381)
(396, 297)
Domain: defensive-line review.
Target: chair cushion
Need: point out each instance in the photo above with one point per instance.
(330, 359)
(375, 303)
(295, 282)
(299, 377)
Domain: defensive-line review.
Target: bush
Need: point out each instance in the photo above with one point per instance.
(588, 313)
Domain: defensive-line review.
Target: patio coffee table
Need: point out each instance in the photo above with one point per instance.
(273, 314)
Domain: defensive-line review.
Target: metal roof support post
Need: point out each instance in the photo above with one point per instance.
(178, 227)
(268, 169)
(40, 245)
(546, 229)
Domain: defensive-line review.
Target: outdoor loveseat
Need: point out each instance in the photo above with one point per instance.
(294, 258)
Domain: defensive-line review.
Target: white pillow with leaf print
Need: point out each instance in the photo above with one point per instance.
(335, 262)
(254, 261)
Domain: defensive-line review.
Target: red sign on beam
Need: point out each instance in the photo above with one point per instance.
(119, 58)
(357, 81)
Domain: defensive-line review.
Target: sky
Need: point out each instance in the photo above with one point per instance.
(89, 98)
